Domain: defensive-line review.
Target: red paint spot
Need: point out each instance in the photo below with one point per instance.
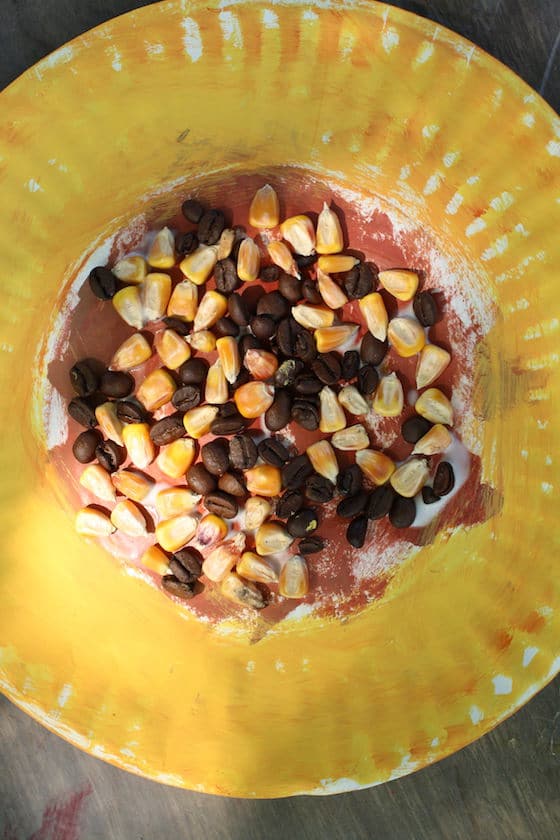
(61, 818)
(532, 623)
(503, 639)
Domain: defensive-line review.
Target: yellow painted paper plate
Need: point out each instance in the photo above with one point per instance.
(401, 118)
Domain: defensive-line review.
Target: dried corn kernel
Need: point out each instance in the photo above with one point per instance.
(329, 232)
(139, 445)
(162, 249)
(323, 459)
(128, 303)
(253, 567)
(294, 578)
(406, 336)
(204, 341)
(129, 519)
(253, 399)
(175, 458)
(156, 389)
(221, 561)
(172, 534)
(183, 302)
(435, 407)
(242, 591)
(98, 481)
(248, 260)
(375, 465)
(332, 338)
(211, 529)
(131, 269)
(155, 293)
(216, 388)
(410, 477)
(265, 209)
(199, 265)
(401, 283)
(351, 439)
(264, 480)
(336, 263)
(132, 484)
(257, 510)
(389, 397)
(333, 417)
(109, 423)
(172, 348)
(132, 352)
(228, 352)
(330, 291)
(260, 363)
(155, 560)
(175, 500)
(431, 363)
(313, 317)
(350, 398)
(272, 538)
(281, 255)
(438, 439)
(91, 522)
(197, 421)
(225, 244)
(373, 309)
(211, 308)
(300, 233)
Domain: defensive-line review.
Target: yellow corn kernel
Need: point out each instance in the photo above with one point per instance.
(351, 439)
(162, 249)
(281, 255)
(253, 567)
(132, 484)
(300, 233)
(174, 500)
(431, 363)
(410, 477)
(139, 445)
(98, 481)
(225, 244)
(175, 458)
(331, 338)
(389, 397)
(253, 399)
(216, 388)
(241, 591)
(172, 348)
(156, 292)
(333, 417)
(109, 423)
(401, 283)
(272, 538)
(211, 530)
(183, 302)
(221, 561)
(438, 439)
(323, 459)
(406, 336)
(155, 560)
(435, 407)
(257, 510)
(199, 265)
(211, 308)
(335, 263)
(228, 352)
(294, 578)
(156, 389)
(128, 303)
(131, 269)
(375, 465)
(204, 341)
(265, 209)
(129, 519)
(264, 480)
(350, 398)
(260, 363)
(197, 421)
(313, 317)
(91, 522)
(172, 534)
(330, 291)
(329, 233)
(248, 260)
(373, 309)
(131, 353)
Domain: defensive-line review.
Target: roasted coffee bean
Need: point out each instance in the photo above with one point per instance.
(192, 210)
(425, 309)
(186, 397)
(319, 489)
(356, 531)
(193, 372)
(415, 428)
(290, 287)
(296, 472)
(270, 273)
(116, 384)
(327, 368)
(215, 456)
(190, 559)
(286, 335)
(238, 311)
(272, 451)
(228, 422)
(302, 523)
(200, 480)
(131, 412)
(279, 414)
(225, 326)
(103, 283)
(225, 276)
(222, 504)
(275, 305)
(242, 452)
(248, 342)
(310, 545)
(84, 446)
(304, 347)
(173, 586)
(372, 350)
(428, 495)
(242, 378)
(263, 327)
(186, 243)
(182, 574)
(251, 295)
(181, 327)
(232, 483)
(352, 505)
(289, 503)
(350, 364)
(307, 383)
(380, 502)
(360, 280)
(286, 374)
(368, 380)
(310, 291)
(444, 479)
(350, 480)
(110, 455)
(306, 414)
(83, 378)
(305, 261)
(210, 226)
(82, 412)
(168, 429)
(402, 513)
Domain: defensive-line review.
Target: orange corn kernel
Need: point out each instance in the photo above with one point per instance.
(333, 417)
(410, 477)
(300, 233)
(294, 578)
(373, 309)
(132, 352)
(128, 303)
(406, 336)
(401, 283)
(172, 348)
(389, 396)
(264, 480)
(155, 560)
(253, 399)
(183, 302)
(172, 534)
(109, 423)
(241, 591)
(155, 292)
(323, 459)
(156, 390)
(332, 338)
(272, 538)
(197, 421)
(98, 481)
(281, 255)
(375, 465)
(162, 249)
(260, 363)
(129, 519)
(265, 209)
(91, 522)
(175, 458)
(139, 445)
(248, 260)
(198, 266)
(329, 232)
(132, 484)
(431, 363)
(435, 407)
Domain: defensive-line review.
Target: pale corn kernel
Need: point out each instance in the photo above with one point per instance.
(211, 530)
(128, 303)
(91, 522)
(336, 263)
(175, 458)
(221, 560)
(351, 439)
(132, 484)
(155, 560)
(410, 477)
(257, 510)
(407, 336)
(248, 260)
(175, 500)
(109, 423)
(156, 390)
(294, 578)
(129, 519)
(331, 338)
(264, 211)
(139, 445)
(323, 459)
(253, 399)
(375, 465)
(242, 592)
(131, 269)
(216, 388)
(199, 265)
(313, 317)
(389, 397)
(98, 481)
(329, 232)
(172, 534)
(401, 283)
(300, 233)
(162, 249)
(211, 308)
(172, 348)
(197, 421)
(131, 353)
(253, 567)
(350, 398)
(264, 480)
(260, 363)
(228, 352)
(272, 538)
(155, 293)
(183, 302)
(438, 439)
(281, 256)
(225, 243)
(333, 417)
(434, 406)
(330, 291)
(204, 341)
(373, 309)
(431, 363)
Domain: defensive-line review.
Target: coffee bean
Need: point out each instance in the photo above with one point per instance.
(232, 483)
(350, 480)
(360, 280)
(222, 504)
(319, 489)
(310, 545)
(193, 372)
(181, 327)
(182, 574)
(305, 260)
(272, 451)
(270, 274)
(289, 503)
(279, 414)
(304, 346)
(263, 327)
(302, 523)
(215, 456)
(173, 586)
(242, 378)
(251, 296)
(225, 326)
(168, 429)
(352, 505)
(242, 452)
(248, 342)
(425, 309)
(103, 283)
(210, 226)
(83, 379)
(415, 428)
(275, 305)
(186, 243)
(327, 368)
(286, 374)
(116, 384)
(372, 350)
(306, 414)
(190, 559)
(200, 480)
(428, 495)
(286, 334)
(225, 276)
(84, 446)
(444, 479)
(192, 210)
(296, 472)
(230, 423)
(131, 412)
(110, 455)
(368, 380)
(380, 502)
(238, 311)
(186, 397)
(82, 412)
(350, 364)
(402, 513)
(356, 531)
(290, 287)
(307, 383)
(310, 291)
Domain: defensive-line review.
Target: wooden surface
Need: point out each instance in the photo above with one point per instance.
(504, 787)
